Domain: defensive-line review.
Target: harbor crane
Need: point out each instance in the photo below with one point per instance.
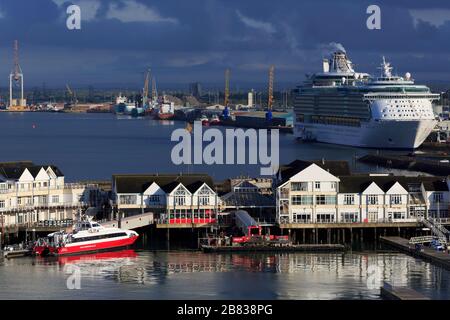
(16, 79)
(270, 89)
(270, 95)
(227, 88)
(145, 91)
(154, 91)
(73, 95)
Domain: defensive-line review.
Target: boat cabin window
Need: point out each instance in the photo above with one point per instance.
(95, 225)
(83, 225)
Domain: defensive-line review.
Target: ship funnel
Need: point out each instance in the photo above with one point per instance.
(326, 65)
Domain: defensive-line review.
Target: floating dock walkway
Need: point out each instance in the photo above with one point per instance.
(266, 248)
(441, 258)
(16, 253)
(400, 293)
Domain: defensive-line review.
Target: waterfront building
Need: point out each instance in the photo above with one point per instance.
(323, 192)
(33, 195)
(174, 199)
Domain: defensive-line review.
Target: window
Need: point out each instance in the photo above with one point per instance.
(349, 199)
(349, 217)
(333, 186)
(438, 197)
(203, 200)
(322, 199)
(317, 185)
(372, 199)
(204, 196)
(302, 217)
(128, 199)
(55, 199)
(43, 199)
(324, 217)
(28, 200)
(399, 215)
(180, 200)
(2, 204)
(154, 198)
(396, 199)
(301, 200)
(299, 186)
(180, 196)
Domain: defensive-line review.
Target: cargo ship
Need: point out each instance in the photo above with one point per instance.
(123, 106)
(165, 110)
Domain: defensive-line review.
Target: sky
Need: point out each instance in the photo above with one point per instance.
(184, 41)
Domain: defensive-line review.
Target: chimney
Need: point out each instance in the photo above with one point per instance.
(326, 65)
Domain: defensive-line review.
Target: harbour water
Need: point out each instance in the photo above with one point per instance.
(94, 146)
(145, 274)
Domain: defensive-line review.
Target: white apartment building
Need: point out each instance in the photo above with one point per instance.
(308, 192)
(31, 194)
(174, 199)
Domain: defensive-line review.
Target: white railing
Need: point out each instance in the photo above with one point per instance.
(440, 220)
(286, 220)
(15, 190)
(44, 205)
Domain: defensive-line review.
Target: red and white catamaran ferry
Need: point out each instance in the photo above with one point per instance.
(88, 236)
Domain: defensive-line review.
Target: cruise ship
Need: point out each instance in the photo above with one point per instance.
(342, 106)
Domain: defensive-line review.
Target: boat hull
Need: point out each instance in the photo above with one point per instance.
(165, 116)
(72, 249)
(373, 134)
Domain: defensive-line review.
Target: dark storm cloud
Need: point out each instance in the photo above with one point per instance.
(191, 40)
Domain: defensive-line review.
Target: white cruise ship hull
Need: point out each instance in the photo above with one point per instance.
(380, 134)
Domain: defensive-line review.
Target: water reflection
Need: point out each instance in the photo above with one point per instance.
(145, 274)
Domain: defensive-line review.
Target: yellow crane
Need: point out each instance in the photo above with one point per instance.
(227, 87)
(270, 93)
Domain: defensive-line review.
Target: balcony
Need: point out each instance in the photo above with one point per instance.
(31, 207)
(67, 186)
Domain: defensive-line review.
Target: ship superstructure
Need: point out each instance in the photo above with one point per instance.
(342, 106)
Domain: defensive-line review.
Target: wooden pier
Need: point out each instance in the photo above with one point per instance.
(441, 258)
